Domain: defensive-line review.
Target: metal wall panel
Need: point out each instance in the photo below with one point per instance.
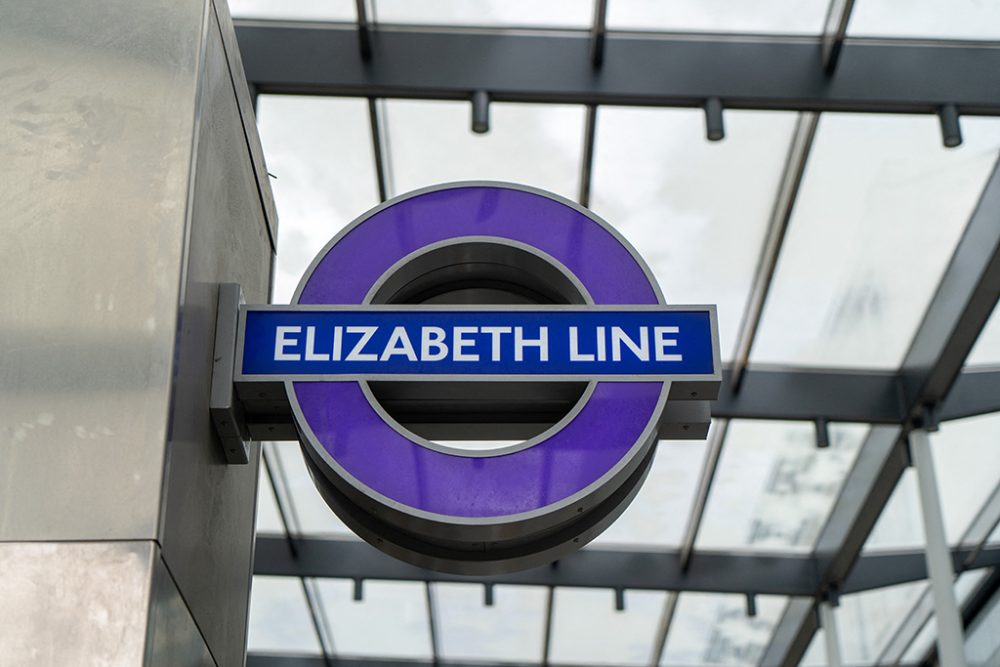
(97, 119)
(209, 506)
(76, 603)
(130, 192)
(172, 637)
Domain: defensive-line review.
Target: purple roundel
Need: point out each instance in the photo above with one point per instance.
(605, 437)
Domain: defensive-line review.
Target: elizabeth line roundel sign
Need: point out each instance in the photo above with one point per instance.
(478, 373)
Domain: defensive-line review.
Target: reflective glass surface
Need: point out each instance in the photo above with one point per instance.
(432, 143)
(268, 518)
(965, 585)
(308, 512)
(851, 286)
(696, 210)
(389, 620)
(521, 13)
(710, 629)
(658, 516)
(774, 487)
(881, 209)
(319, 151)
(986, 351)
(306, 10)
(936, 19)
(588, 630)
(967, 471)
(982, 644)
(867, 620)
(511, 630)
(765, 16)
(279, 617)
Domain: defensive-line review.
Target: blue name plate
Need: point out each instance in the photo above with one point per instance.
(428, 343)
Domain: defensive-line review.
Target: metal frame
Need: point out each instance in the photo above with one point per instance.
(742, 71)
(827, 73)
(744, 572)
(272, 660)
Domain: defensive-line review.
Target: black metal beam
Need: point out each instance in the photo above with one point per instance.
(280, 660)
(868, 486)
(882, 569)
(975, 392)
(591, 568)
(712, 572)
(871, 481)
(792, 635)
(807, 395)
(965, 298)
(744, 72)
(835, 31)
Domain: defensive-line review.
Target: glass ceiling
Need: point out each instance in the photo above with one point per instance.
(880, 211)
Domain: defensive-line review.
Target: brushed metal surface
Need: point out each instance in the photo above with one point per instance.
(209, 506)
(97, 116)
(172, 637)
(74, 603)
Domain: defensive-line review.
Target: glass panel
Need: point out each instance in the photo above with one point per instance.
(921, 644)
(941, 19)
(711, 629)
(768, 16)
(697, 211)
(391, 620)
(967, 463)
(431, 143)
(551, 13)
(310, 512)
(881, 197)
(986, 351)
(319, 150)
(815, 655)
(968, 470)
(279, 617)
(305, 10)
(774, 487)
(268, 519)
(965, 586)
(982, 645)
(867, 620)
(659, 513)
(511, 630)
(587, 630)
(899, 526)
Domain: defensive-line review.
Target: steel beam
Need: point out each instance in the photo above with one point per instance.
(278, 660)
(743, 72)
(941, 570)
(835, 31)
(807, 395)
(591, 568)
(964, 300)
(792, 635)
(877, 469)
(890, 568)
(976, 392)
(744, 572)
(880, 463)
